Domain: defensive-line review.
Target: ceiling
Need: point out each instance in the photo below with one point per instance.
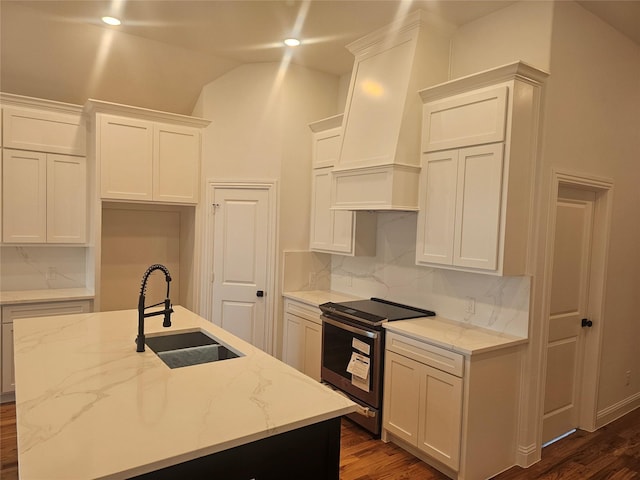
(167, 50)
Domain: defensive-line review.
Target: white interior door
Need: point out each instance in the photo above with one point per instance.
(241, 252)
(568, 306)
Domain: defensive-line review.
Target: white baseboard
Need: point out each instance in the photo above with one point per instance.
(527, 455)
(617, 410)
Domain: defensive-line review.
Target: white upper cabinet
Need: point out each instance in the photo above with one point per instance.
(145, 155)
(479, 143)
(44, 171)
(66, 199)
(24, 196)
(176, 164)
(326, 138)
(379, 160)
(470, 118)
(43, 130)
(125, 149)
(44, 197)
(335, 231)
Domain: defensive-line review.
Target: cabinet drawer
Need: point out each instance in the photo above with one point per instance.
(44, 131)
(49, 309)
(467, 119)
(435, 357)
(303, 310)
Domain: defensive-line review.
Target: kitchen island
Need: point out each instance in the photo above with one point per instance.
(89, 406)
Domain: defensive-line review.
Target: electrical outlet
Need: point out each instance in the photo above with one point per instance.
(349, 279)
(627, 377)
(470, 306)
(312, 279)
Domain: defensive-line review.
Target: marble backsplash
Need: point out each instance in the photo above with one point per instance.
(42, 267)
(501, 303)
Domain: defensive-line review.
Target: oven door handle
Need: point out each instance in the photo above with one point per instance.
(350, 328)
(360, 409)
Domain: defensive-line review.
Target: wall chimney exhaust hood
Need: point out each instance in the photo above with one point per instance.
(379, 162)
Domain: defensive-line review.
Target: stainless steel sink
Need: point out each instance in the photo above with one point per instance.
(189, 348)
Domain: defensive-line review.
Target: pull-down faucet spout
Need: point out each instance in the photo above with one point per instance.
(167, 311)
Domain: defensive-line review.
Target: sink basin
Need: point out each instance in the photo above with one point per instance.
(189, 348)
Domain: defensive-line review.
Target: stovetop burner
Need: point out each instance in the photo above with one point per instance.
(375, 311)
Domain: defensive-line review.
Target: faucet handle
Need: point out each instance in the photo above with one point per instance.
(167, 313)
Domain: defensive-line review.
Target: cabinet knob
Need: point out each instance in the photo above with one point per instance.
(260, 293)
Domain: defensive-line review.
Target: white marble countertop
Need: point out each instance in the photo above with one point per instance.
(456, 336)
(47, 295)
(89, 406)
(318, 297)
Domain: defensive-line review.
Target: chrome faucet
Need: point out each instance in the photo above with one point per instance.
(141, 308)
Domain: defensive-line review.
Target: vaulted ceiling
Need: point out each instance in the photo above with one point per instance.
(167, 50)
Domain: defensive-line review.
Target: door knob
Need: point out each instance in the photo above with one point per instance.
(260, 293)
(587, 323)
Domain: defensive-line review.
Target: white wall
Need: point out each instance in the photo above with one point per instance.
(259, 115)
(259, 131)
(592, 126)
(521, 31)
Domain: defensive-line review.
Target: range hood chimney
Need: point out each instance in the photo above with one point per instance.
(379, 162)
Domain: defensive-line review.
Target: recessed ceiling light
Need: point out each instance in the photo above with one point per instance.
(111, 21)
(291, 42)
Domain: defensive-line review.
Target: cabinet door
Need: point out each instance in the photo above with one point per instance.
(8, 372)
(436, 218)
(478, 204)
(24, 197)
(125, 149)
(440, 415)
(176, 164)
(66, 199)
(401, 396)
(331, 230)
(44, 131)
(293, 342)
(470, 118)
(312, 349)
(326, 147)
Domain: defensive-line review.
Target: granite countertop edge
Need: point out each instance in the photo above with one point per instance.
(458, 337)
(13, 297)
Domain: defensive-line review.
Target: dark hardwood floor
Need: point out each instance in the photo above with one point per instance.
(8, 442)
(611, 453)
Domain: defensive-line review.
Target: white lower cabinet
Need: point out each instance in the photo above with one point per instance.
(13, 312)
(423, 407)
(302, 338)
(457, 412)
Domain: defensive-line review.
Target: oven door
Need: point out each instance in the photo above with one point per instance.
(343, 343)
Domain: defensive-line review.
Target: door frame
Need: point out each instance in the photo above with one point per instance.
(590, 369)
(206, 301)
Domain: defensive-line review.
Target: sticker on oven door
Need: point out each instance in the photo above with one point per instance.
(359, 369)
(361, 383)
(361, 346)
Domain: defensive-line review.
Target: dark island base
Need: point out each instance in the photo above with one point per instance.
(312, 453)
